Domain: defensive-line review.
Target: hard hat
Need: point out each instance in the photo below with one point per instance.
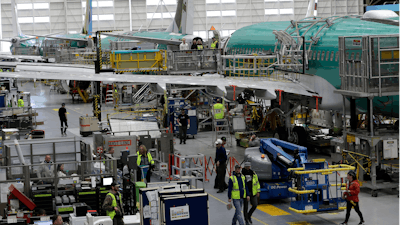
(218, 142)
(247, 164)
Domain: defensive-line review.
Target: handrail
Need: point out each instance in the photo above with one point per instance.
(301, 192)
(295, 169)
(327, 170)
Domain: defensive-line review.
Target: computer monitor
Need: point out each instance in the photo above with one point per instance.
(107, 181)
(44, 222)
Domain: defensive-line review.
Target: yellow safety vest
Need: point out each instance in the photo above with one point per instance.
(20, 103)
(218, 111)
(235, 189)
(199, 47)
(139, 159)
(214, 45)
(256, 184)
(111, 214)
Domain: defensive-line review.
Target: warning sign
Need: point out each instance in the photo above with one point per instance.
(356, 42)
(119, 143)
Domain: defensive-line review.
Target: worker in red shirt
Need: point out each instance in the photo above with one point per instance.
(351, 196)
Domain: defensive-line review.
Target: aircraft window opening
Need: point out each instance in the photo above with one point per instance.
(332, 55)
(315, 55)
(347, 56)
(337, 56)
(319, 52)
(352, 56)
(322, 55)
(327, 56)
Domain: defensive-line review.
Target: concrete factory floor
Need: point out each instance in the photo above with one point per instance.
(383, 210)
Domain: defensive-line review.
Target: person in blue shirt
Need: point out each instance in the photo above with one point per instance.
(237, 191)
(220, 160)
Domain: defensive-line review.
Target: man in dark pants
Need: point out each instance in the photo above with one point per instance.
(253, 185)
(221, 166)
(184, 124)
(113, 205)
(62, 113)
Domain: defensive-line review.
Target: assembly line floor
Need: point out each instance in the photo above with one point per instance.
(383, 210)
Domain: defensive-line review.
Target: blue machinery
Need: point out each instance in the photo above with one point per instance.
(284, 171)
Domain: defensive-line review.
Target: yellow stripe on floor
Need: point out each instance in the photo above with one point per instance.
(58, 109)
(242, 211)
(272, 210)
(299, 223)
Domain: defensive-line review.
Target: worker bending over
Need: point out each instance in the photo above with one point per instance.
(113, 205)
(237, 191)
(144, 159)
(254, 188)
(351, 196)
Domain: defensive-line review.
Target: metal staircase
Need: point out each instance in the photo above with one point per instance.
(142, 92)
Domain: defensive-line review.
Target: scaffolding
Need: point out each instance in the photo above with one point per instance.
(369, 68)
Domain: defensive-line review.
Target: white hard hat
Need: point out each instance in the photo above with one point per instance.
(218, 142)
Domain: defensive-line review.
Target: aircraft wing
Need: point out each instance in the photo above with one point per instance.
(63, 38)
(145, 39)
(265, 89)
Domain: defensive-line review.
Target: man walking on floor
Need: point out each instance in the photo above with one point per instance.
(113, 205)
(254, 188)
(237, 190)
(184, 124)
(62, 113)
(220, 159)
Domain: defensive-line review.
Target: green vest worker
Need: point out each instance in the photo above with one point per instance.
(144, 159)
(199, 47)
(237, 190)
(218, 110)
(113, 205)
(254, 188)
(214, 44)
(21, 102)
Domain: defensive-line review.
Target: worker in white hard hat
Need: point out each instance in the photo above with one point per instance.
(220, 160)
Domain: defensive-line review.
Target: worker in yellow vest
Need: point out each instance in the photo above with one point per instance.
(219, 112)
(199, 45)
(21, 102)
(144, 159)
(214, 44)
(254, 188)
(113, 205)
(237, 191)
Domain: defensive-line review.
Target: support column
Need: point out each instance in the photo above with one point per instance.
(370, 108)
(353, 115)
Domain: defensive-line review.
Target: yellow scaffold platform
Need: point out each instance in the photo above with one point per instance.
(138, 60)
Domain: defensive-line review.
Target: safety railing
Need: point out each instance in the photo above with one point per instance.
(32, 50)
(209, 165)
(369, 64)
(74, 170)
(138, 60)
(255, 67)
(193, 61)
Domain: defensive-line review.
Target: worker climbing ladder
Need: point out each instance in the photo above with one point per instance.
(220, 128)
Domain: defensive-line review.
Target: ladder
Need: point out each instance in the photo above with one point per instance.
(221, 129)
(109, 95)
(141, 93)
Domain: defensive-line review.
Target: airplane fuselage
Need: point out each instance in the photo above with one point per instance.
(324, 57)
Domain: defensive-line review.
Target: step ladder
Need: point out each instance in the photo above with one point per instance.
(221, 129)
(109, 95)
